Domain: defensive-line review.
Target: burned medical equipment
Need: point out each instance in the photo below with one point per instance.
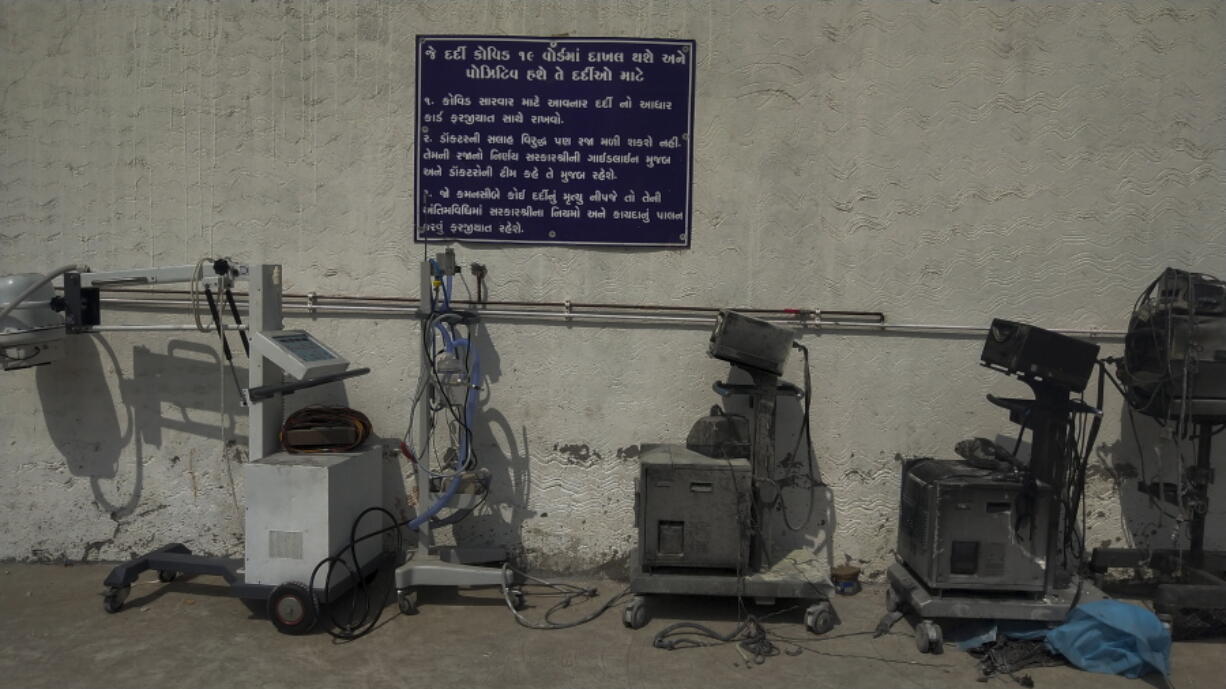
(704, 511)
(1174, 371)
(995, 538)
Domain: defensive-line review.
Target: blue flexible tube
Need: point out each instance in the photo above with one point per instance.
(470, 410)
(447, 342)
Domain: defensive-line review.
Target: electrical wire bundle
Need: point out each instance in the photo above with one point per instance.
(807, 435)
(567, 593)
(322, 419)
(1148, 379)
(750, 637)
(363, 598)
(447, 340)
(366, 604)
(755, 643)
(1078, 442)
(1009, 656)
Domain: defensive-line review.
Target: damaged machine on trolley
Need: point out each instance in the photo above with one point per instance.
(992, 536)
(704, 510)
(1174, 371)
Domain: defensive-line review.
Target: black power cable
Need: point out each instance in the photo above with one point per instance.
(569, 593)
(356, 626)
(807, 434)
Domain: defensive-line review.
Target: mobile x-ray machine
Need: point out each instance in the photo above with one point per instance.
(300, 508)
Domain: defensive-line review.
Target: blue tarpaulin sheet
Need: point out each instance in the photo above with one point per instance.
(1113, 637)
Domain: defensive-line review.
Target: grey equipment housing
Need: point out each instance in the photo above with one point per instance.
(694, 509)
(704, 512)
(966, 528)
(750, 342)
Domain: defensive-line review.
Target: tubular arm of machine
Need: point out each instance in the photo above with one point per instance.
(805, 320)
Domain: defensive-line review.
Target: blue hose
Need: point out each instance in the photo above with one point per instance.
(470, 411)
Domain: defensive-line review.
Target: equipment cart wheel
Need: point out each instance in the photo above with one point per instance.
(819, 617)
(893, 601)
(635, 615)
(167, 575)
(113, 600)
(292, 608)
(928, 638)
(406, 600)
(516, 595)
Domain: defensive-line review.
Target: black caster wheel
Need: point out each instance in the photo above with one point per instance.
(167, 575)
(113, 600)
(635, 615)
(406, 600)
(518, 601)
(292, 609)
(928, 637)
(893, 601)
(819, 617)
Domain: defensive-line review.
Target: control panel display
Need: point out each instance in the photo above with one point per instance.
(298, 353)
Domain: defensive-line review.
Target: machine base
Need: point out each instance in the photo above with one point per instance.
(448, 566)
(982, 605)
(451, 566)
(175, 558)
(789, 578)
(1195, 601)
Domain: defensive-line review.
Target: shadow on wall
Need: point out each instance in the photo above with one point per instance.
(805, 519)
(1142, 455)
(83, 417)
(499, 522)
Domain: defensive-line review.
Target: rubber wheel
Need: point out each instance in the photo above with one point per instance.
(518, 601)
(167, 575)
(292, 609)
(406, 600)
(635, 615)
(114, 598)
(928, 637)
(893, 601)
(819, 618)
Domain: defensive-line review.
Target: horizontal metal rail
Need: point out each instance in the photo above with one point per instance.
(563, 312)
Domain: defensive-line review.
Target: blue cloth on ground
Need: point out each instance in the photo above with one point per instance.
(1113, 637)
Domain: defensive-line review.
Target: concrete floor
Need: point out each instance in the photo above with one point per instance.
(187, 634)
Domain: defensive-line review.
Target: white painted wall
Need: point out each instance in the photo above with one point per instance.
(942, 162)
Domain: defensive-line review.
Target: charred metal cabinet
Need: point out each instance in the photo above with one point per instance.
(693, 510)
(967, 528)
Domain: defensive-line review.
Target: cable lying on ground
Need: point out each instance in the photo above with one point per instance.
(569, 594)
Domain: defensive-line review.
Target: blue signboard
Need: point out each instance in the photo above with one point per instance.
(554, 140)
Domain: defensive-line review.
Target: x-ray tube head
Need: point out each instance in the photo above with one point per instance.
(32, 333)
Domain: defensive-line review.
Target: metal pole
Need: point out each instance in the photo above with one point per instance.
(264, 312)
(1200, 490)
(158, 328)
(425, 539)
(766, 390)
(813, 322)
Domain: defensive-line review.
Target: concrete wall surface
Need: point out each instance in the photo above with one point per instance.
(943, 162)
